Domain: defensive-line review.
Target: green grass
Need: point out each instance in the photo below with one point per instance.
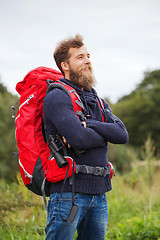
(134, 206)
(134, 209)
(22, 216)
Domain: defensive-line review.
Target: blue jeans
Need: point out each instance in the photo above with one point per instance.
(90, 222)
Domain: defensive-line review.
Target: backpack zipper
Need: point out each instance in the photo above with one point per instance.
(25, 172)
(27, 101)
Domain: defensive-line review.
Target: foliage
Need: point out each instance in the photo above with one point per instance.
(148, 155)
(133, 208)
(20, 219)
(140, 112)
(138, 228)
(119, 156)
(133, 204)
(7, 132)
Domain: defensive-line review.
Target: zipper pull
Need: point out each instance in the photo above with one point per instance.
(29, 98)
(13, 109)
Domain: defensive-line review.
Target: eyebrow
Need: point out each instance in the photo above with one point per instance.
(82, 54)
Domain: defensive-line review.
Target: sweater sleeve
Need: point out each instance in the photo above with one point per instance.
(113, 130)
(58, 111)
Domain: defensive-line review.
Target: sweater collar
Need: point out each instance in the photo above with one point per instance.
(77, 88)
(89, 98)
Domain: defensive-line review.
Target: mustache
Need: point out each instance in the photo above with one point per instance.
(85, 67)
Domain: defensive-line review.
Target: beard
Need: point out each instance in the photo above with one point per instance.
(83, 80)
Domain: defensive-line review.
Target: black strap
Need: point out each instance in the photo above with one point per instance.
(43, 192)
(56, 85)
(71, 216)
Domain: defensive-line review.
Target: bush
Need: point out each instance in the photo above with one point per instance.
(120, 157)
(145, 228)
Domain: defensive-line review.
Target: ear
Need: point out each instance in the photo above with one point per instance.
(65, 66)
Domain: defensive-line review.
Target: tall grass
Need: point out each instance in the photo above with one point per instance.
(134, 202)
(134, 208)
(22, 216)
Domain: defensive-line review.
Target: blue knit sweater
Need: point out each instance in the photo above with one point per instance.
(59, 117)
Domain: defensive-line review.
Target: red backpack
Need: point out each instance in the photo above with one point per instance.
(34, 153)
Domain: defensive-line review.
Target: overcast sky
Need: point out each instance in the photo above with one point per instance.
(122, 36)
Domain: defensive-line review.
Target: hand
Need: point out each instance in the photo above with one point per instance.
(84, 123)
(65, 142)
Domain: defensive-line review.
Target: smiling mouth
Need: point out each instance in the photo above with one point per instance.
(87, 69)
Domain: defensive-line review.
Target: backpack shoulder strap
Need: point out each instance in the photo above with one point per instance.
(76, 101)
(57, 84)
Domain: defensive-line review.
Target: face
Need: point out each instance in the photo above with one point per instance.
(79, 68)
(80, 58)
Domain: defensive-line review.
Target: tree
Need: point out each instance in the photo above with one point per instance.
(9, 166)
(140, 110)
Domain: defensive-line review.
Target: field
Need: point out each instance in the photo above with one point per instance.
(134, 207)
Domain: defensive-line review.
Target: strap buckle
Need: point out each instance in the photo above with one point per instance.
(98, 171)
(85, 169)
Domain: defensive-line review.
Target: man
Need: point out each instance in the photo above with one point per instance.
(89, 134)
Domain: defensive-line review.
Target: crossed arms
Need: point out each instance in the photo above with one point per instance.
(59, 113)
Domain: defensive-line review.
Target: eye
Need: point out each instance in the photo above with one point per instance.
(80, 56)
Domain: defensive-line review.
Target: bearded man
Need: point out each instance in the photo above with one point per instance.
(91, 134)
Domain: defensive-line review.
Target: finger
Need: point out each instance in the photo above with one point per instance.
(84, 123)
(64, 140)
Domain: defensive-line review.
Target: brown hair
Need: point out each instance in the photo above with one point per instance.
(61, 51)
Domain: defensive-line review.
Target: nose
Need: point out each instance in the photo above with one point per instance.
(87, 60)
